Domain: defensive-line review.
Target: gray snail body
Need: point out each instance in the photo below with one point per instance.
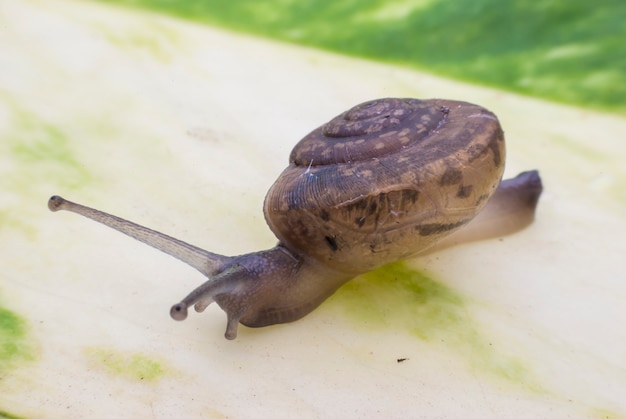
(383, 181)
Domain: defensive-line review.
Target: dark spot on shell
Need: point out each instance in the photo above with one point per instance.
(360, 221)
(436, 228)
(324, 215)
(376, 246)
(332, 243)
(495, 149)
(478, 151)
(482, 198)
(410, 195)
(464, 191)
(373, 207)
(361, 204)
(451, 176)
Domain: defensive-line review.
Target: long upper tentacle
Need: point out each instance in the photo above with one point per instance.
(206, 262)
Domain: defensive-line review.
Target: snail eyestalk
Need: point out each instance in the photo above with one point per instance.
(201, 297)
(205, 262)
(179, 311)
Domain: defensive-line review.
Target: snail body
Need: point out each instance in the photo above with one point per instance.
(383, 181)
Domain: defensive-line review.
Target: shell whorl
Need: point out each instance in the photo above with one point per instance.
(371, 129)
(385, 180)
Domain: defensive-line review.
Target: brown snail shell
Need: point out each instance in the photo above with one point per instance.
(383, 181)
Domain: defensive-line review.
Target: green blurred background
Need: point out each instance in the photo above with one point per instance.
(569, 51)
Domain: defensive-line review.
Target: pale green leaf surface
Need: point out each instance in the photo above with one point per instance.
(184, 128)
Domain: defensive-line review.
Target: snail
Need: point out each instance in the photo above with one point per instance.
(386, 180)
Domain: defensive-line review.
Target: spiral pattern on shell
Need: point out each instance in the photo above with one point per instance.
(371, 129)
(385, 180)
